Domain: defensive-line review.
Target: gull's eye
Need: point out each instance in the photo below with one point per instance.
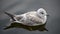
(42, 13)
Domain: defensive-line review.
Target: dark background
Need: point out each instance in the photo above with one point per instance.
(21, 6)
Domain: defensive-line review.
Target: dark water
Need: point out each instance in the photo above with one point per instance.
(30, 28)
(21, 6)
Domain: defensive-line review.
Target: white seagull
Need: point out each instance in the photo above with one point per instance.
(32, 18)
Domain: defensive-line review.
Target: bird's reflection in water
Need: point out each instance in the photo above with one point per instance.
(30, 28)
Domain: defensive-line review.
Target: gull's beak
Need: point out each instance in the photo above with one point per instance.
(47, 15)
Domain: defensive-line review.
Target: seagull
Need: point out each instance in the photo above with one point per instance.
(31, 18)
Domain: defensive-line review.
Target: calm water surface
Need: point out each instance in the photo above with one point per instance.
(21, 6)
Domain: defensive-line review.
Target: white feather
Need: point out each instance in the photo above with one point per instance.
(32, 18)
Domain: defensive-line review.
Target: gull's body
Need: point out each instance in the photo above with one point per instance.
(32, 18)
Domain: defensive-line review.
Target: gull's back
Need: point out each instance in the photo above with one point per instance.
(32, 18)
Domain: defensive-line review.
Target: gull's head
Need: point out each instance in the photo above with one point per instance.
(41, 12)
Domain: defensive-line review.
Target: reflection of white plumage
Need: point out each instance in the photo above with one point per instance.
(31, 18)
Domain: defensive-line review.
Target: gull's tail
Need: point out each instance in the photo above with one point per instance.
(10, 15)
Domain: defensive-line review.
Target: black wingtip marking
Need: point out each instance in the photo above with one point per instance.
(10, 15)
